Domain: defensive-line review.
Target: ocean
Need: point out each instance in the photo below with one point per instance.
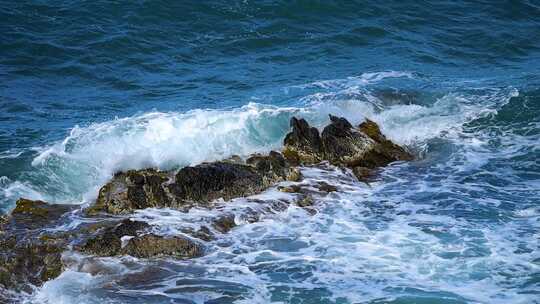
(90, 88)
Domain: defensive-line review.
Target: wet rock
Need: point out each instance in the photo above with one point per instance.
(134, 189)
(341, 144)
(363, 174)
(303, 144)
(290, 189)
(224, 224)
(325, 187)
(305, 201)
(108, 241)
(200, 184)
(29, 256)
(209, 181)
(32, 261)
(234, 159)
(387, 151)
(274, 167)
(30, 214)
(151, 245)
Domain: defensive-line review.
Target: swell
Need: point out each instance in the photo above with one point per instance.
(72, 170)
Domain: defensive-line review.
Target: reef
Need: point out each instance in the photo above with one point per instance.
(36, 234)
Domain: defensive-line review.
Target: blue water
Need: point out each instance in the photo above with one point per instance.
(91, 87)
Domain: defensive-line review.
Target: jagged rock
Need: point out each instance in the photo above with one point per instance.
(108, 242)
(152, 245)
(31, 261)
(388, 151)
(303, 144)
(273, 166)
(305, 201)
(209, 181)
(341, 144)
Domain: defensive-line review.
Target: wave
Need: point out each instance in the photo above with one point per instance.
(71, 171)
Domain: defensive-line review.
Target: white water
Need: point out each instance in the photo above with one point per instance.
(395, 237)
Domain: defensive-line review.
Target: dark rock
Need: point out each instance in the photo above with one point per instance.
(341, 144)
(107, 242)
(200, 184)
(303, 144)
(151, 245)
(29, 214)
(387, 151)
(224, 224)
(134, 189)
(209, 181)
(325, 187)
(305, 201)
(31, 261)
(29, 256)
(290, 189)
(363, 174)
(274, 167)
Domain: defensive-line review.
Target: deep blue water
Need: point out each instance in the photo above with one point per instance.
(91, 87)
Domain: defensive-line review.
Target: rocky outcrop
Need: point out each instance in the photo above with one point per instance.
(27, 255)
(31, 254)
(341, 144)
(200, 184)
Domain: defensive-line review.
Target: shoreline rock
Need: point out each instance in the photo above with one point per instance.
(30, 254)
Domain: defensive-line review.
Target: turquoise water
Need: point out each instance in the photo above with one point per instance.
(90, 88)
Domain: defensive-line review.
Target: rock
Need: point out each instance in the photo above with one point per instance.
(151, 245)
(363, 174)
(305, 201)
(32, 261)
(200, 184)
(134, 189)
(29, 256)
(29, 214)
(303, 144)
(290, 189)
(341, 144)
(388, 151)
(274, 167)
(325, 187)
(225, 223)
(108, 241)
(209, 181)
